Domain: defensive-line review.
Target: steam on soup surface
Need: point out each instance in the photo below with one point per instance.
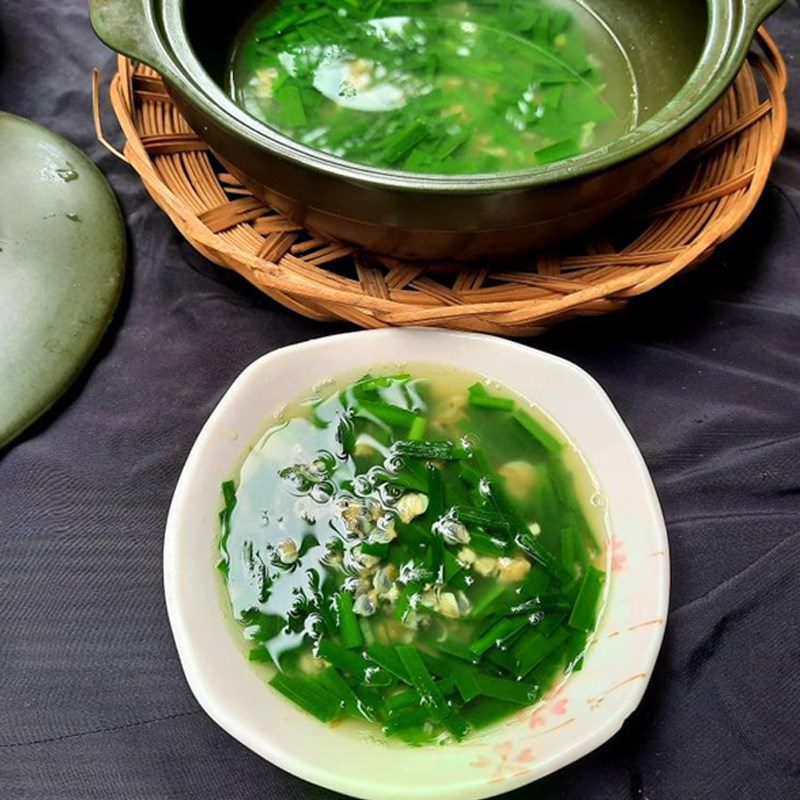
(436, 87)
(416, 552)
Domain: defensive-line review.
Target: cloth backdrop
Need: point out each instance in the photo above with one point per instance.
(705, 371)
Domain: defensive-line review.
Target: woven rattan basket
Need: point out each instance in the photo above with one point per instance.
(677, 225)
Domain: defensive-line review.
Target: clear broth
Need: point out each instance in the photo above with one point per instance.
(436, 87)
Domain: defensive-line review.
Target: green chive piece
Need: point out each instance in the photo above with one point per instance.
(379, 549)
(487, 600)
(480, 398)
(583, 614)
(229, 494)
(402, 142)
(385, 412)
(431, 695)
(539, 553)
(576, 649)
(454, 648)
(348, 622)
(353, 663)
(466, 681)
(524, 694)
(537, 431)
(435, 492)
(405, 718)
(483, 518)
(485, 711)
(291, 102)
(308, 694)
(558, 151)
(417, 429)
(487, 545)
(433, 450)
(534, 648)
(332, 680)
(387, 658)
(498, 634)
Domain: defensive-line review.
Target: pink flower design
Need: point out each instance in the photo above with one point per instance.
(618, 558)
(537, 720)
(560, 707)
(556, 705)
(505, 762)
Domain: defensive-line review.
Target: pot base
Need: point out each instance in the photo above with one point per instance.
(687, 213)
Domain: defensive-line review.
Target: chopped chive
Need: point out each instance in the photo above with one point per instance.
(405, 698)
(403, 141)
(487, 600)
(558, 151)
(499, 633)
(405, 718)
(488, 520)
(534, 648)
(331, 680)
(403, 606)
(348, 622)
(440, 666)
(568, 557)
(308, 694)
(431, 695)
(583, 614)
(539, 553)
(466, 681)
(502, 659)
(387, 658)
(385, 412)
(291, 101)
(439, 450)
(523, 694)
(485, 711)
(435, 492)
(229, 494)
(486, 545)
(417, 429)
(480, 398)
(454, 648)
(452, 566)
(456, 724)
(576, 646)
(537, 431)
(352, 663)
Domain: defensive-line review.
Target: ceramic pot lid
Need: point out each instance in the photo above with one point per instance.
(62, 261)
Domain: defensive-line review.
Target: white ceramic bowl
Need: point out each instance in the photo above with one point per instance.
(589, 708)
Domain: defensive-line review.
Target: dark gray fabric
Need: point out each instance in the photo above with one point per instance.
(706, 372)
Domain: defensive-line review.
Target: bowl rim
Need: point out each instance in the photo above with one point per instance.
(730, 30)
(270, 749)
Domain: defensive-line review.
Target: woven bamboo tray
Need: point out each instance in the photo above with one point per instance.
(677, 225)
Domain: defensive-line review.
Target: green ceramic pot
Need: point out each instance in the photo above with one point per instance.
(685, 54)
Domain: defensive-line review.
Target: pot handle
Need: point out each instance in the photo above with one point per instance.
(128, 27)
(756, 11)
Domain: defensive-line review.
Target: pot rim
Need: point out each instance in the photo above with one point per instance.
(731, 27)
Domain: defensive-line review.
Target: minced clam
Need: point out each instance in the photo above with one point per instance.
(286, 550)
(520, 478)
(452, 531)
(365, 605)
(411, 505)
